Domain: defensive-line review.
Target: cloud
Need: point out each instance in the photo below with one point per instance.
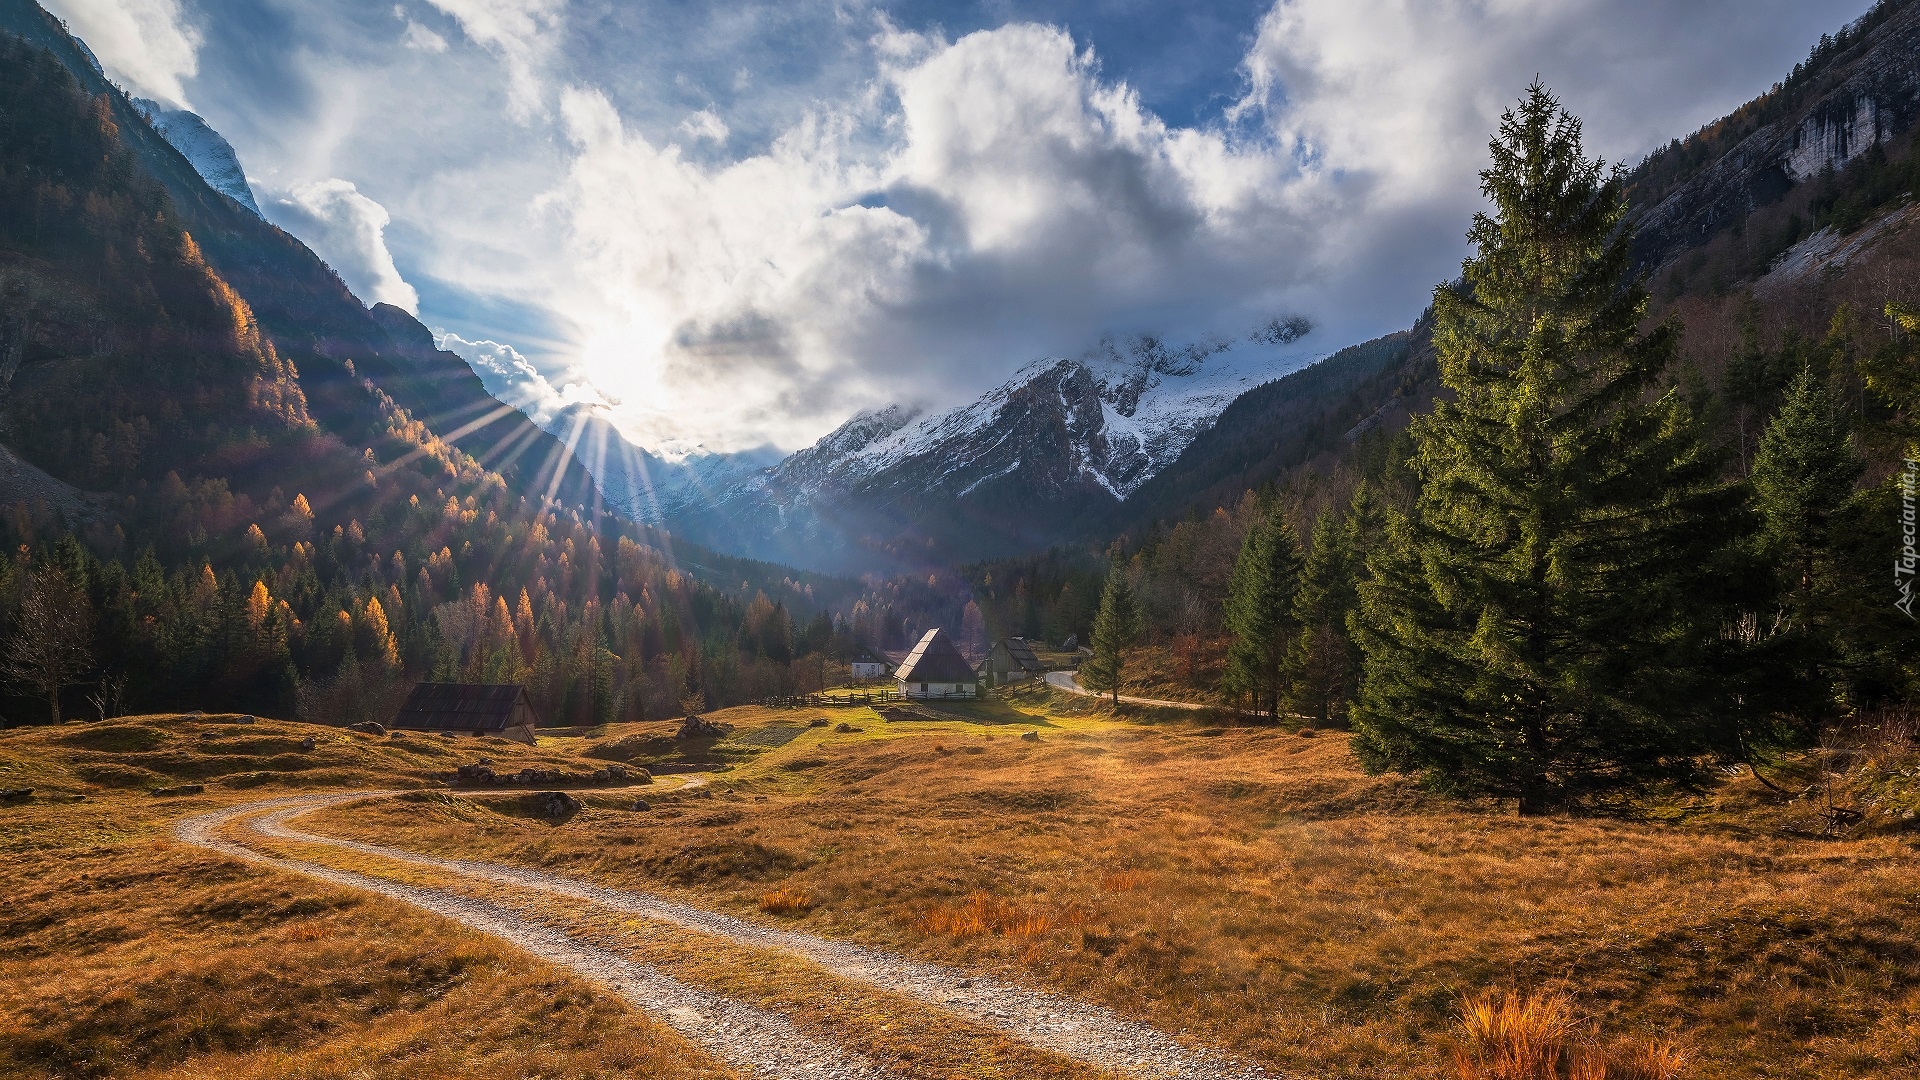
(519, 32)
(705, 124)
(746, 221)
(146, 44)
(508, 375)
(348, 230)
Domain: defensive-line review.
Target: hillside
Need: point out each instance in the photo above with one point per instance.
(238, 519)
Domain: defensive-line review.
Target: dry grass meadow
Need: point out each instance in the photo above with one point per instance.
(1247, 886)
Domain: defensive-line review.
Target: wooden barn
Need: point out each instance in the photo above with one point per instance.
(1011, 660)
(935, 669)
(469, 709)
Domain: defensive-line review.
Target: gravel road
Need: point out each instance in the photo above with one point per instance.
(1084, 1032)
(755, 1042)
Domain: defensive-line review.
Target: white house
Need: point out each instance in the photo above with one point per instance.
(935, 669)
(870, 665)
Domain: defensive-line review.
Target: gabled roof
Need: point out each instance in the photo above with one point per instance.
(1022, 654)
(935, 660)
(464, 707)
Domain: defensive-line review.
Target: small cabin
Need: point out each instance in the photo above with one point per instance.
(469, 709)
(870, 665)
(1011, 660)
(935, 669)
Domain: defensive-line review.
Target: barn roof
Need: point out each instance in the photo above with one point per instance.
(463, 707)
(935, 660)
(1022, 654)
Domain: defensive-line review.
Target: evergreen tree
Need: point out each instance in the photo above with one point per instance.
(1115, 629)
(1803, 475)
(1260, 614)
(1542, 623)
(1322, 664)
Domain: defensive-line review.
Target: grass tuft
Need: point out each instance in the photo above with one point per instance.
(787, 900)
(1533, 1037)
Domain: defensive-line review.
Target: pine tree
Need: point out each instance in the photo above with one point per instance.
(1322, 663)
(1115, 629)
(1260, 614)
(1803, 475)
(1542, 623)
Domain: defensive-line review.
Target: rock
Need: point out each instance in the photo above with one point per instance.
(1031, 736)
(181, 789)
(368, 727)
(474, 774)
(307, 744)
(699, 727)
(1307, 733)
(641, 804)
(19, 794)
(538, 776)
(845, 728)
(552, 805)
(243, 720)
(819, 721)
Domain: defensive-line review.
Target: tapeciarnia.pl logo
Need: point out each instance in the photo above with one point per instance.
(1909, 558)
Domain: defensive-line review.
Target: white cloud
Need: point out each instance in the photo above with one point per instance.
(510, 376)
(519, 32)
(348, 230)
(146, 44)
(705, 124)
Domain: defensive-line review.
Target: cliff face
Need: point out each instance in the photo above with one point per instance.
(1860, 89)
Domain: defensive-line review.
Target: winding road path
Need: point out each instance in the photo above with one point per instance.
(758, 1042)
(1070, 682)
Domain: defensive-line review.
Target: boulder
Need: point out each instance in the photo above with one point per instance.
(1031, 736)
(844, 728)
(641, 804)
(368, 727)
(243, 720)
(475, 775)
(307, 744)
(699, 727)
(19, 794)
(538, 776)
(552, 805)
(819, 721)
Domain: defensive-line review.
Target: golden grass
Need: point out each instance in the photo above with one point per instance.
(1507, 1036)
(125, 953)
(786, 900)
(1255, 889)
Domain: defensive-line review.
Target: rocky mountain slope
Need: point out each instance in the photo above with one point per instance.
(204, 148)
(1023, 466)
(1860, 88)
(304, 308)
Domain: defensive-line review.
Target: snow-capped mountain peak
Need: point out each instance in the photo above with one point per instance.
(204, 148)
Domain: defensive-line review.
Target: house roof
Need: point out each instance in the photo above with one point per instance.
(935, 660)
(1022, 654)
(463, 707)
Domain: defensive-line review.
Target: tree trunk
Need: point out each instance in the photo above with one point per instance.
(53, 700)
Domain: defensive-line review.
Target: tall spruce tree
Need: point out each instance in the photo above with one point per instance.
(1115, 629)
(1542, 623)
(1260, 614)
(1803, 476)
(1323, 664)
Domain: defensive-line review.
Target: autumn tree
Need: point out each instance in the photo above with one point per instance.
(52, 643)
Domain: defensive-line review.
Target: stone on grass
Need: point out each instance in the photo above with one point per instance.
(474, 774)
(819, 721)
(307, 744)
(1031, 736)
(368, 727)
(641, 804)
(845, 728)
(181, 789)
(552, 805)
(699, 727)
(18, 794)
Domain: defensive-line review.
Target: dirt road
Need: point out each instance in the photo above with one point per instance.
(765, 1044)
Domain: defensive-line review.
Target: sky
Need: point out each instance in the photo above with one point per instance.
(736, 223)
